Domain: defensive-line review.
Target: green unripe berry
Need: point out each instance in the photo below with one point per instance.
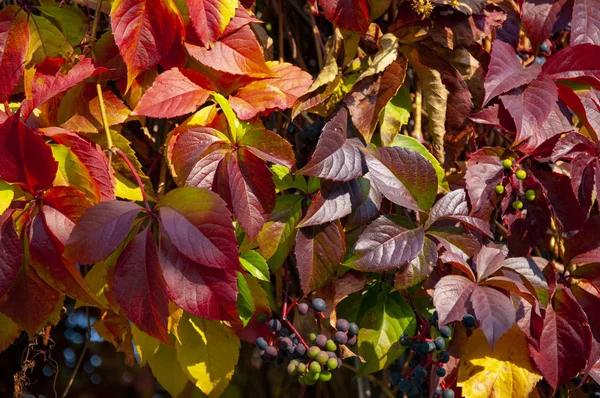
(530, 195)
(517, 205)
(292, 368)
(301, 368)
(330, 345)
(507, 163)
(311, 379)
(313, 352)
(314, 367)
(499, 189)
(302, 379)
(325, 376)
(312, 337)
(322, 357)
(521, 174)
(332, 363)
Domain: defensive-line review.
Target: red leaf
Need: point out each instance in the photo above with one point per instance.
(46, 248)
(531, 108)
(92, 157)
(210, 18)
(541, 18)
(144, 31)
(385, 245)
(347, 14)
(488, 260)
(30, 301)
(101, 230)
(48, 83)
(14, 39)
(246, 184)
(71, 203)
(403, 176)
(25, 158)
(484, 172)
(319, 253)
(140, 287)
(11, 253)
(174, 93)
(203, 291)
(335, 158)
(585, 26)
(371, 94)
(450, 298)
(506, 72)
(267, 145)
(584, 247)
(566, 340)
(238, 53)
(454, 206)
(577, 63)
(199, 225)
(583, 179)
(494, 312)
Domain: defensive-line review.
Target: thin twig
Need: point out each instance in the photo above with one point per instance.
(501, 227)
(162, 179)
(136, 175)
(82, 355)
(320, 47)
(417, 132)
(94, 31)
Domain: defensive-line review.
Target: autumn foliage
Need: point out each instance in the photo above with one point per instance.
(188, 170)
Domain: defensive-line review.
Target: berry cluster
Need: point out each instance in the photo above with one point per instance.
(521, 175)
(311, 363)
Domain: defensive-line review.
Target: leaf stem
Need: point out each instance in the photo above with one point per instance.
(417, 132)
(104, 117)
(136, 175)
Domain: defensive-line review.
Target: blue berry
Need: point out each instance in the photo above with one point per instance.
(468, 321)
(448, 394)
(319, 305)
(445, 331)
(441, 372)
(303, 308)
(545, 47)
(405, 340)
(440, 343)
(443, 356)
(275, 325)
(420, 372)
(353, 329)
(438, 391)
(262, 343)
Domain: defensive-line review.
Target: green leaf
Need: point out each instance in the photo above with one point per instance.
(145, 345)
(384, 318)
(167, 370)
(208, 352)
(278, 235)
(72, 172)
(404, 141)
(256, 265)
(232, 119)
(7, 193)
(46, 40)
(71, 19)
(395, 114)
(283, 179)
(245, 303)
(9, 331)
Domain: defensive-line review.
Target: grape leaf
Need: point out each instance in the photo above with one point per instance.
(14, 40)
(145, 345)
(11, 253)
(488, 260)
(335, 158)
(256, 265)
(9, 331)
(408, 142)
(450, 298)
(144, 31)
(505, 371)
(494, 312)
(209, 18)
(419, 268)
(541, 19)
(385, 245)
(575, 63)
(394, 115)
(584, 25)
(207, 352)
(484, 172)
(265, 144)
(167, 370)
(45, 40)
(70, 18)
(454, 206)
(319, 252)
(347, 14)
(245, 302)
(139, 286)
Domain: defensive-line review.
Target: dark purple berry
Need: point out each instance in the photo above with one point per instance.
(441, 372)
(319, 305)
(340, 337)
(271, 352)
(342, 325)
(445, 331)
(303, 308)
(300, 350)
(353, 329)
(275, 325)
(320, 341)
(351, 340)
(262, 343)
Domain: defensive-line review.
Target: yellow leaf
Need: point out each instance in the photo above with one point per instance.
(96, 280)
(167, 371)
(126, 189)
(7, 194)
(145, 345)
(506, 372)
(9, 331)
(73, 173)
(208, 352)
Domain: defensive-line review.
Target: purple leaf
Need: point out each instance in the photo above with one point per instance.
(585, 25)
(557, 122)
(585, 246)
(140, 288)
(203, 291)
(11, 253)
(542, 18)
(577, 63)
(454, 206)
(100, 230)
(530, 271)
(572, 143)
(494, 312)
(385, 245)
(459, 262)
(419, 268)
(335, 158)
(319, 252)
(403, 176)
(488, 260)
(450, 298)
(484, 172)
(506, 72)
(583, 178)
(368, 210)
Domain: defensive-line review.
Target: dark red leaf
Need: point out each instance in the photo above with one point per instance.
(140, 287)
(488, 260)
(335, 158)
(484, 172)
(566, 340)
(450, 298)
(584, 247)
(174, 93)
(368, 210)
(494, 312)
(557, 122)
(576, 63)
(572, 143)
(11, 253)
(101, 230)
(585, 25)
(530, 271)
(583, 179)
(25, 158)
(319, 253)
(506, 72)
(385, 245)
(14, 40)
(542, 18)
(245, 182)
(347, 14)
(419, 268)
(199, 225)
(203, 291)
(454, 206)
(267, 145)
(403, 176)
